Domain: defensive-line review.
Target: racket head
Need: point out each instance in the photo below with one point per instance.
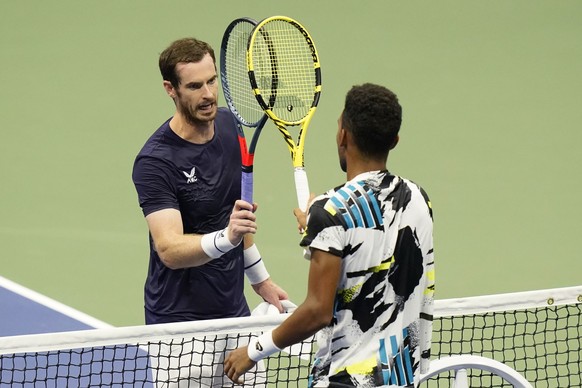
(284, 69)
(236, 86)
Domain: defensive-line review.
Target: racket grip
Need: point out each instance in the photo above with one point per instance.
(247, 187)
(302, 187)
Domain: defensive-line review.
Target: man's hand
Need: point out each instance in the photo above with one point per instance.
(301, 219)
(242, 221)
(237, 363)
(272, 293)
(302, 215)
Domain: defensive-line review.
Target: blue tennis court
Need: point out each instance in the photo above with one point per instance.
(25, 312)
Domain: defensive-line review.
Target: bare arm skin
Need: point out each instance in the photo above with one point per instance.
(312, 315)
(179, 250)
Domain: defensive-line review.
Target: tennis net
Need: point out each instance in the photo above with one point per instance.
(537, 333)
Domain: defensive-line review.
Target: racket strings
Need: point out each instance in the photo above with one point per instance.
(240, 93)
(283, 52)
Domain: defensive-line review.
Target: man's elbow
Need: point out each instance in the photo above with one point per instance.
(166, 257)
(171, 264)
(324, 320)
(320, 316)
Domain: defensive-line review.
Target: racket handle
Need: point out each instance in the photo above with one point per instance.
(302, 187)
(247, 186)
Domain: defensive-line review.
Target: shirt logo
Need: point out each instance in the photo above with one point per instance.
(191, 176)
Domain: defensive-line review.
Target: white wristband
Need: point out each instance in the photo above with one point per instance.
(216, 244)
(254, 265)
(262, 347)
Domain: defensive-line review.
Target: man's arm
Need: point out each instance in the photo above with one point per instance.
(259, 277)
(271, 293)
(179, 250)
(315, 313)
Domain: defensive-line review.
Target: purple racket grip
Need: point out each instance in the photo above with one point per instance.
(247, 187)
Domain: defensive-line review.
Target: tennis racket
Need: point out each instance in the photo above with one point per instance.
(239, 95)
(285, 75)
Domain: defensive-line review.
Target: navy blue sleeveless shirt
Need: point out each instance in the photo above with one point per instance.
(202, 181)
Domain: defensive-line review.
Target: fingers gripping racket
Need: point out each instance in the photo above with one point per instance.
(281, 50)
(239, 95)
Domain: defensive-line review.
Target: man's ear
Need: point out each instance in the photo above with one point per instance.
(169, 89)
(342, 137)
(395, 142)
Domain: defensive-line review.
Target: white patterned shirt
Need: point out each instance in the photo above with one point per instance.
(381, 226)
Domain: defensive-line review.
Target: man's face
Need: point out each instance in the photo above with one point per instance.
(197, 94)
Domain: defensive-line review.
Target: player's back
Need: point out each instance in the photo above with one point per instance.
(384, 231)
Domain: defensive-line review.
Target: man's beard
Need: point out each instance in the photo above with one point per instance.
(342, 163)
(190, 115)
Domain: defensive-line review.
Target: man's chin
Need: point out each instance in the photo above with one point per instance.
(343, 165)
(203, 117)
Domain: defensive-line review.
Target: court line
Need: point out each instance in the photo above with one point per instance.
(53, 304)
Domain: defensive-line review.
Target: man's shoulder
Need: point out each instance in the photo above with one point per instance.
(156, 153)
(224, 115)
(155, 143)
(413, 186)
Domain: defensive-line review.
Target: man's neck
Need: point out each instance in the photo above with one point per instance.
(198, 133)
(360, 166)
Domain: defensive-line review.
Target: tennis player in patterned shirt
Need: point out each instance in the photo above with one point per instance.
(371, 276)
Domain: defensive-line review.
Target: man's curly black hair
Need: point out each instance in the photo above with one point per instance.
(372, 114)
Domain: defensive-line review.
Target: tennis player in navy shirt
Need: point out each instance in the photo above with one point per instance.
(188, 180)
